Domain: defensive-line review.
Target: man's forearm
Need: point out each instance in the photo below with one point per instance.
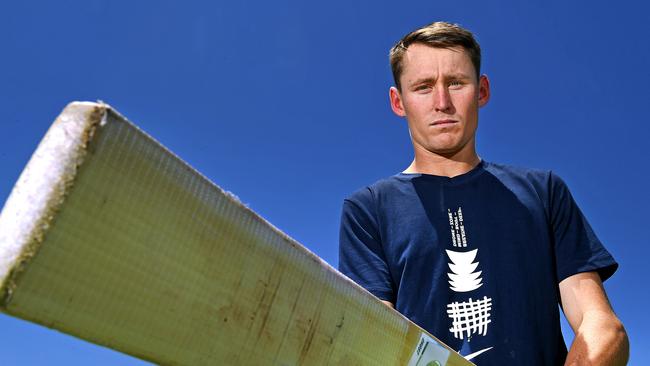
(600, 340)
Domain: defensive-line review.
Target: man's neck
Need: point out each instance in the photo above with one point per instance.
(446, 166)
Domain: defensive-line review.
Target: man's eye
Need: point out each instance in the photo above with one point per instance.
(422, 88)
(455, 83)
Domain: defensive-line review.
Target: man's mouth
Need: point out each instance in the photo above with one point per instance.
(443, 122)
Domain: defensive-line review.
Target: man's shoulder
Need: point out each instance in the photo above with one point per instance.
(382, 186)
(516, 171)
(541, 179)
(544, 183)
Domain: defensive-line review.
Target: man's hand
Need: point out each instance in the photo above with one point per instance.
(600, 338)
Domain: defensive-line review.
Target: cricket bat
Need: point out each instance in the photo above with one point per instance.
(110, 237)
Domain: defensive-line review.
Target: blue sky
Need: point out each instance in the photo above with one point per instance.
(285, 104)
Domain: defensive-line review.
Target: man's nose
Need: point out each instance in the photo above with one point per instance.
(442, 101)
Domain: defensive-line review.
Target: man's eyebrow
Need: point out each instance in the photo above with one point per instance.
(458, 75)
(432, 80)
(428, 80)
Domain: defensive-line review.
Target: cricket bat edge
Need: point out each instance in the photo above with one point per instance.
(42, 188)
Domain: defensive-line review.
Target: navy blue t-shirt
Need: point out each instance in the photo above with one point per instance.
(475, 259)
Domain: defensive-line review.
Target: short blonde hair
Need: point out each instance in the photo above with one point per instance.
(438, 35)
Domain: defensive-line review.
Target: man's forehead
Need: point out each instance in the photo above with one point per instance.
(420, 51)
(420, 59)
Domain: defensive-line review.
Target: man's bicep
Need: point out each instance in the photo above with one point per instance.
(583, 293)
(600, 338)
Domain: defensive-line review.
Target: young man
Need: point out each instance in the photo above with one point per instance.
(479, 254)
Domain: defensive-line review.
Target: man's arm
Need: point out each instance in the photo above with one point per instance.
(600, 338)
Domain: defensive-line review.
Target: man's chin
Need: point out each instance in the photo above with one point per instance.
(450, 149)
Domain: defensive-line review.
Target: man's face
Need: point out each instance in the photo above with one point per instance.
(440, 97)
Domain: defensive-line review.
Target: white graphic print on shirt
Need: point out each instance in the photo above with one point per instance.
(462, 276)
(471, 316)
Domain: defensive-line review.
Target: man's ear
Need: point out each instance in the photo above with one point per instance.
(396, 102)
(483, 90)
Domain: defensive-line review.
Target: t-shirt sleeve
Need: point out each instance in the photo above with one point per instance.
(577, 249)
(361, 256)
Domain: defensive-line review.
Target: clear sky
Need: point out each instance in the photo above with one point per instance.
(285, 103)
